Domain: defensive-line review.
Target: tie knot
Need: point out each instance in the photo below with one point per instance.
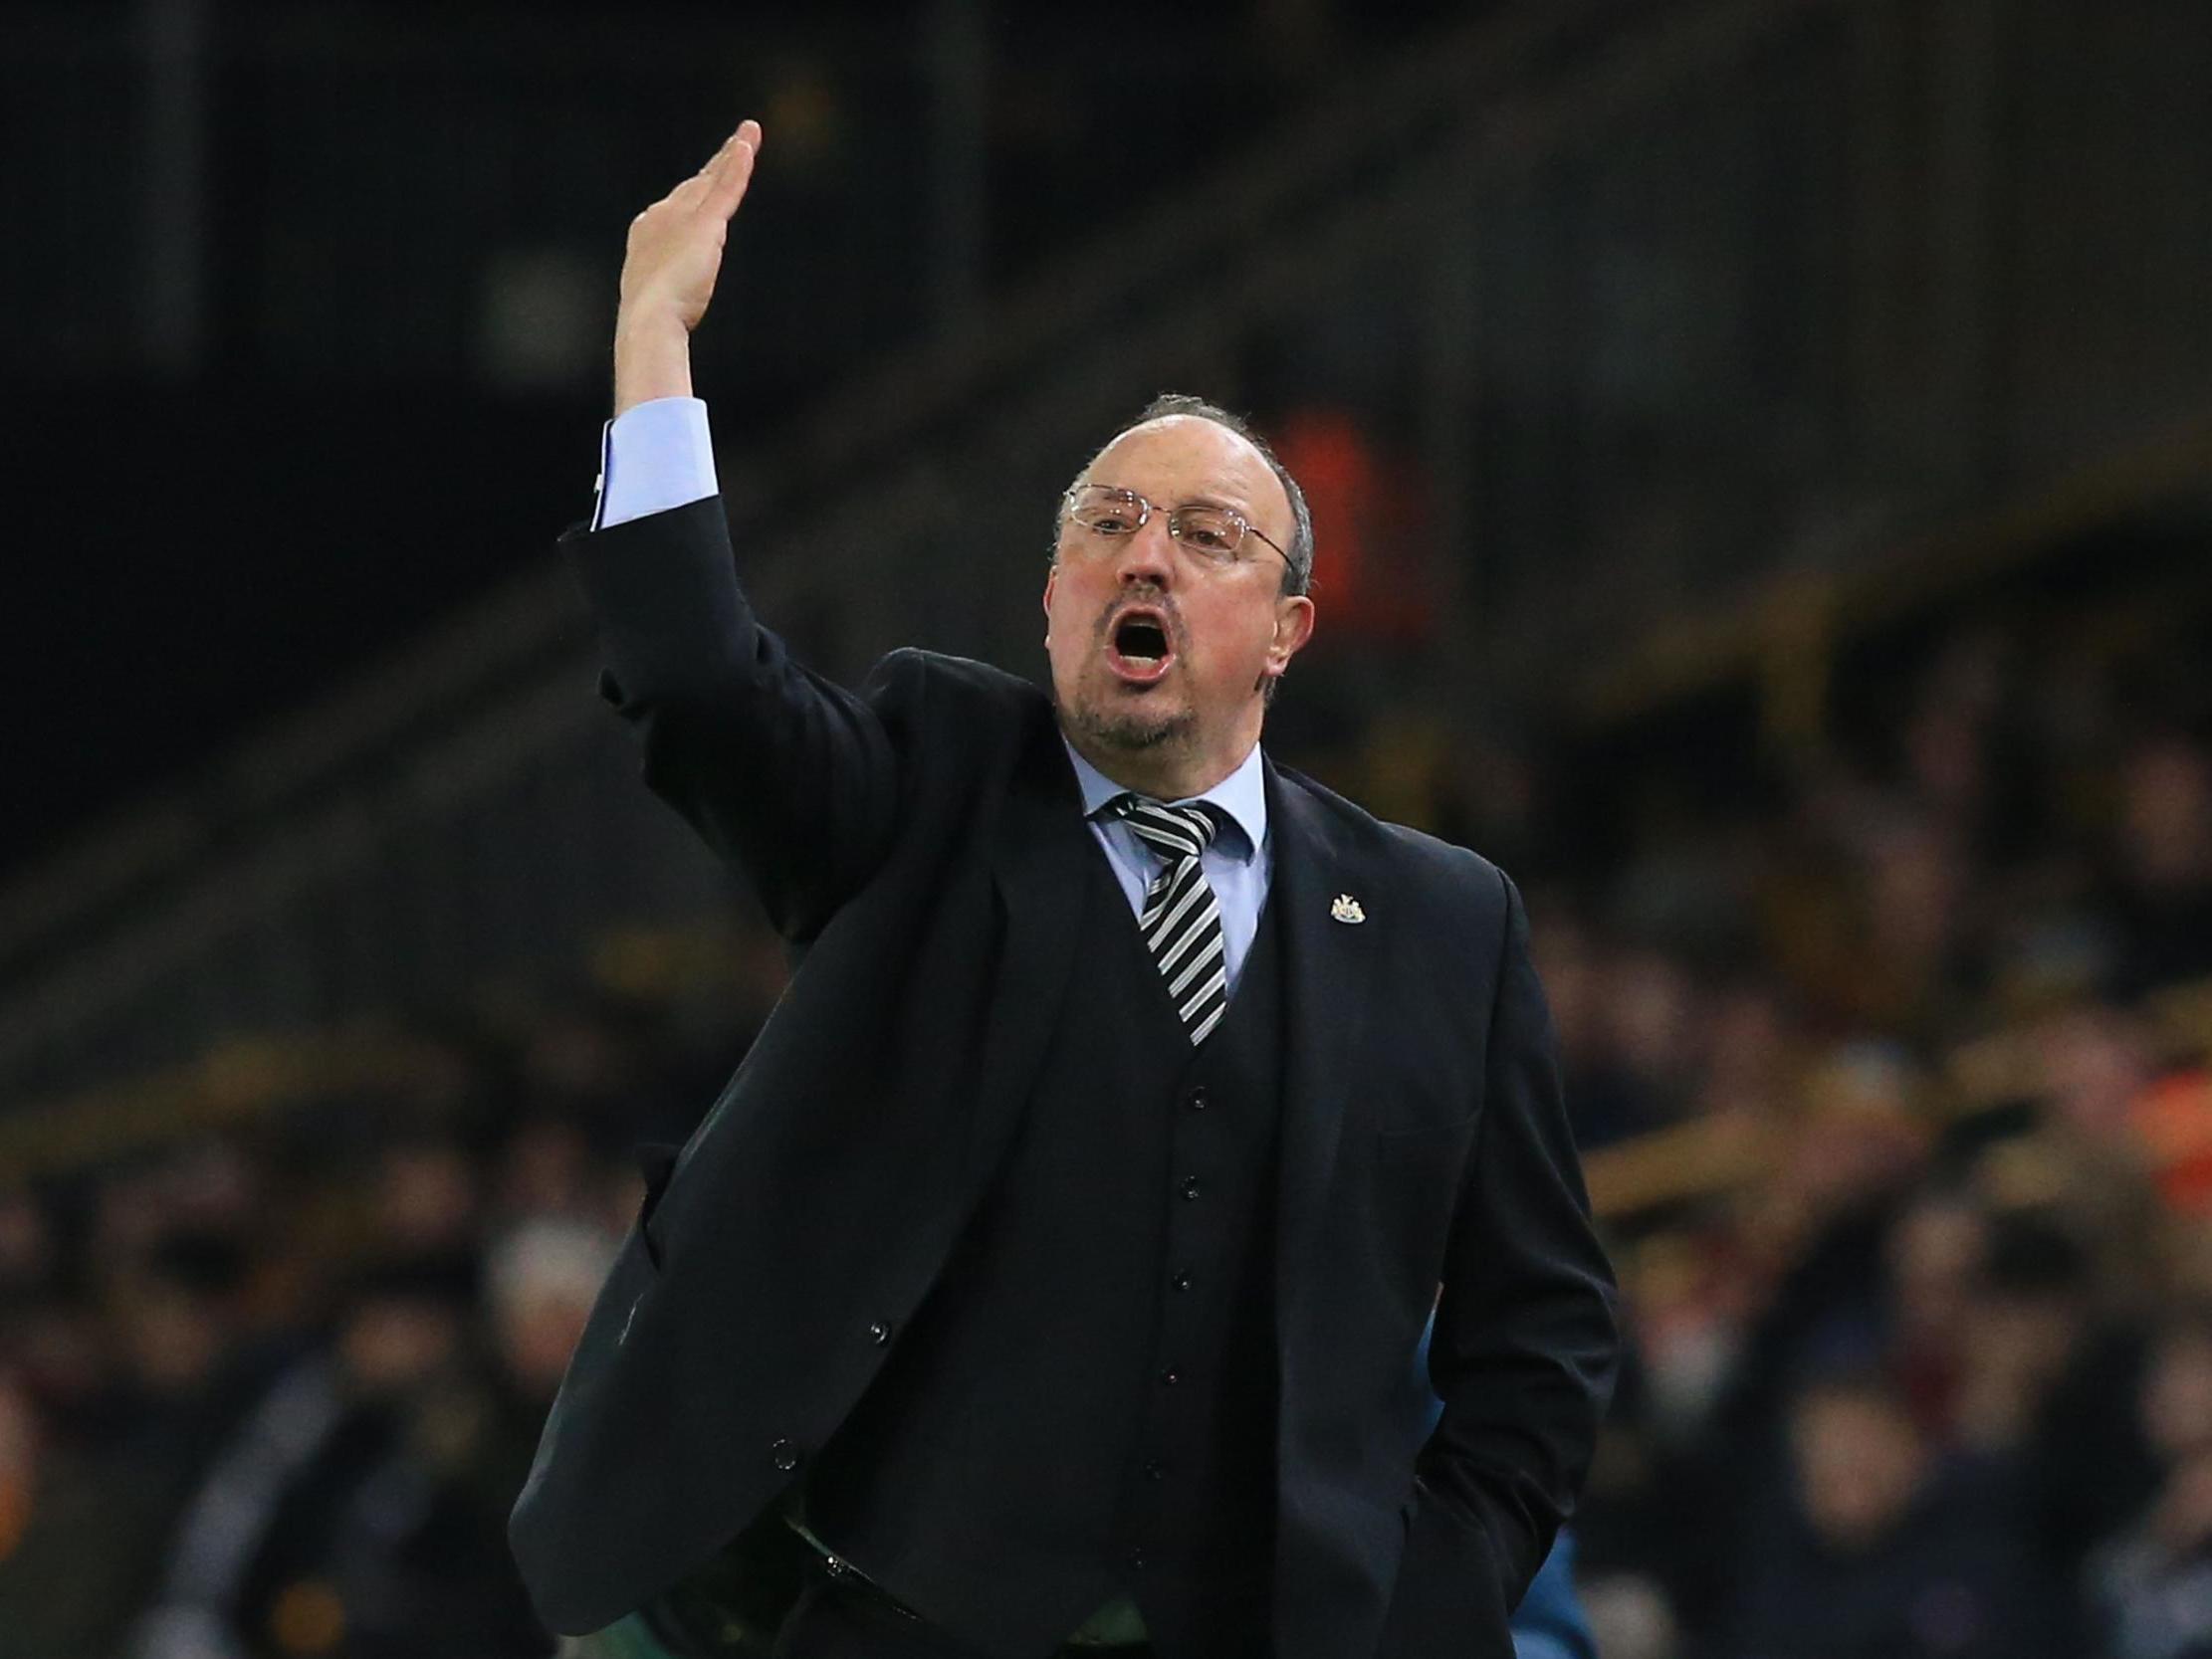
(1174, 832)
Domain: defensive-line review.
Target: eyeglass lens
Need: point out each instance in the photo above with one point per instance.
(1214, 533)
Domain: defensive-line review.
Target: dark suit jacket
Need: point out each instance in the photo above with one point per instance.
(922, 842)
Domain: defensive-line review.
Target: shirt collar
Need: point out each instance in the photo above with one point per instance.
(1241, 797)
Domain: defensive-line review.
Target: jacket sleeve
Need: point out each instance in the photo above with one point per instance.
(790, 778)
(1524, 1347)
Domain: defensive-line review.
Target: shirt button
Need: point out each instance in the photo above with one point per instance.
(1169, 1377)
(784, 1455)
(1196, 1098)
(1180, 1281)
(1190, 1186)
(879, 1332)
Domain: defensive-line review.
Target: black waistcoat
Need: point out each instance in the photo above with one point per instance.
(1085, 1404)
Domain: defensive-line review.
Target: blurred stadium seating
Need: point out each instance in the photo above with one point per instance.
(1762, 461)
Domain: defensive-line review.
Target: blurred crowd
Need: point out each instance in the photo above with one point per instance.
(1891, 1070)
(1885, 1066)
(274, 1393)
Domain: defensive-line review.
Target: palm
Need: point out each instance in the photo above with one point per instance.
(675, 246)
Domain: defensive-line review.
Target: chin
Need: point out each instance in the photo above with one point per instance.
(1129, 727)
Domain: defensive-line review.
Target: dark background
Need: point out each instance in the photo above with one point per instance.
(203, 542)
(1761, 456)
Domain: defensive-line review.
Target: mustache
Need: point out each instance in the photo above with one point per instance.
(1143, 598)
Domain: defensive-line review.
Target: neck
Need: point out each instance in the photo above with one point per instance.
(1166, 773)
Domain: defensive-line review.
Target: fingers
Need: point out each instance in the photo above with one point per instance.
(746, 140)
(720, 185)
(730, 171)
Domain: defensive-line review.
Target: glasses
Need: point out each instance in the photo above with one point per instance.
(1214, 534)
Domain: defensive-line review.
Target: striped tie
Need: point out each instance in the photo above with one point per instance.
(1180, 919)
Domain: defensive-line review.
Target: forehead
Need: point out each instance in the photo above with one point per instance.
(1181, 458)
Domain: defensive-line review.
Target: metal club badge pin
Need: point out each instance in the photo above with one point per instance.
(1347, 909)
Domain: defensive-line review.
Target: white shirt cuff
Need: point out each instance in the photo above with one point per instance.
(653, 457)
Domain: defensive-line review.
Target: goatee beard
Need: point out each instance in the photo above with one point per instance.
(1131, 731)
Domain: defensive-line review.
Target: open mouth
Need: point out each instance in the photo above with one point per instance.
(1137, 650)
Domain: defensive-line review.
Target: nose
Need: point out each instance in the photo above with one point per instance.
(1148, 556)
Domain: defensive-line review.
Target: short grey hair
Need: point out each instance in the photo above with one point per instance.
(1298, 575)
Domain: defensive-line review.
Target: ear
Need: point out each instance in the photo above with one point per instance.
(1293, 627)
(1051, 578)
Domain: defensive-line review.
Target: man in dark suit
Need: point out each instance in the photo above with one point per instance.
(1049, 1276)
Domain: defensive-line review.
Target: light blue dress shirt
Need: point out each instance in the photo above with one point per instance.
(1237, 865)
(653, 457)
(659, 455)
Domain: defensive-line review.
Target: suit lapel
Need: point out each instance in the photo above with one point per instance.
(1329, 968)
(1038, 866)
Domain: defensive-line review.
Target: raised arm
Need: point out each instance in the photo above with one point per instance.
(789, 776)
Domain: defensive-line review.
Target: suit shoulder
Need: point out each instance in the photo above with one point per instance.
(1442, 859)
(1453, 880)
(961, 681)
(953, 712)
(1410, 849)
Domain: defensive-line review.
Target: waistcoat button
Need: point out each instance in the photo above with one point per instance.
(879, 1332)
(1180, 1281)
(783, 1454)
(1196, 1098)
(1190, 1186)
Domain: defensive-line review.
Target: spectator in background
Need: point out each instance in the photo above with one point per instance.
(2162, 883)
(67, 1572)
(180, 1376)
(1628, 1022)
(1935, 1253)
(2089, 1152)
(2045, 1401)
(540, 1282)
(1880, 1550)
(425, 1201)
(2027, 1320)
(337, 1517)
(2152, 1586)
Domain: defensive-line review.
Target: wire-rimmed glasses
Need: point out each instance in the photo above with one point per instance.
(1213, 534)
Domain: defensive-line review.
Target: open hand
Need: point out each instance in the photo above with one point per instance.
(675, 246)
(669, 272)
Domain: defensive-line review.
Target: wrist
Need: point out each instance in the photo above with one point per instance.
(652, 359)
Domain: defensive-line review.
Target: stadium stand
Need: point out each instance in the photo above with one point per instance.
(1809, 533)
